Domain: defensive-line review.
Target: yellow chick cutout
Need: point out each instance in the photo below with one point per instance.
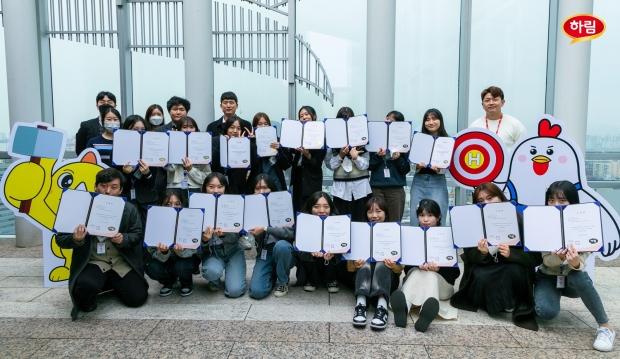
(34, 183)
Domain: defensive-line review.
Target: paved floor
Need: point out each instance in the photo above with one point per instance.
(34, 322)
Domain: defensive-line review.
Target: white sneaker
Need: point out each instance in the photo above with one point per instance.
(605, 338)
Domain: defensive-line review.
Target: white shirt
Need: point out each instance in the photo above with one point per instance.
(510, 130)
(349, 190)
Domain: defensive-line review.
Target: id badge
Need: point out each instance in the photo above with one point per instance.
(184, 183)
(561, 281)
(132, 193)
(386, 172)
(263, 254)
(101, 248)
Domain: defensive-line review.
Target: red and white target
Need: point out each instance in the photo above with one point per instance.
(478, 157)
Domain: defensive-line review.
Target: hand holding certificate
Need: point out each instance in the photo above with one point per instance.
(131, 146)
(323, 234)
(309, 135)
(497, 222)
(340, 132)
(235, 152)
(229, 215)
(100, 214)
(391, 136)
(432, 150)
(265, 136)
(170, 226)
(196, 146)
(386, 241)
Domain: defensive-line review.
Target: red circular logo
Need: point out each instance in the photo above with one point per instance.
(477, 158)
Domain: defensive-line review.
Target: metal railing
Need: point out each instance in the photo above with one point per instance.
(157, 27)
(88, 21)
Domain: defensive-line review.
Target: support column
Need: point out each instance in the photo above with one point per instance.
(572, 75)
(292, 60)
(124, 57)
(198, 50)
(21, 39)
(380, 55)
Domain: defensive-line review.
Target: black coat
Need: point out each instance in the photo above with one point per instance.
(216, 126)
(281, 165)
(88, 129)
(236, 176)
(163, 128)
(310, 172)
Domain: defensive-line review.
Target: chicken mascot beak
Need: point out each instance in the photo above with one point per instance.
(541, 159)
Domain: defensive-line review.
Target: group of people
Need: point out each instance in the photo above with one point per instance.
(368, 186)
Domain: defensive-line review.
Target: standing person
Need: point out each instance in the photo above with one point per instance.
(93, 127)
(236, 177)
(427, 286)
(177, 108)
(350, 188)
(229, 105)
(275, 254)
(498, 278)
(155, 116)
(374, 281)
(119, 266)
(429, 183)
(569, 265)
(139, 186)
(221, 251)
(388, 175)
(110, 120)
(167, 265)
(307, 171)
(508, 128)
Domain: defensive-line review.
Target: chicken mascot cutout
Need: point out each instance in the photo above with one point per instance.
(33, 184)
(535, 162)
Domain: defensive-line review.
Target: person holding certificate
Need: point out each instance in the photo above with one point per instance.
(388, 175)
(273, 166)
(351, 188)
(562, 273)
(237, 177)
(275, 253)
(100, 262)
(111, 120)
(498, 278)
(307, 171)
(167, 265)
(374, 281)
(317, 267)
(222, 251)
(140, 182)
(186, 177)
(427, 286)
(430, 183)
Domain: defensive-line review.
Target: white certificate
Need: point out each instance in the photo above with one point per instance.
(229, 215)
(105, 215)
(223, 151)
(542, 228)
(72, 210)
(160, 226)
(265, 136)
(177, 147)
(357, 130)
(501, 224)
(280, 206)
(439, 247)
(399, 136)
(126, 145)
(189, 227)
(442, 152)
(239, 152)
(336, 133)
(155, 149)
(421, 148)
(412, 246)
(386, 241)
(207, 202)
(337, 234)
(291, 132)
(255, 212)
(199, 148)
(309, 233)
(314, 135)
(582, 227)
(467, 227)
(377, 136)
(360, 242)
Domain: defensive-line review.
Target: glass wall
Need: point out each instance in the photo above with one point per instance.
(5, 127)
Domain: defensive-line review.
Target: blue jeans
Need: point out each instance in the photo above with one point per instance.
(578, 284)
(280, 259)
(426, 186)
(167, 273)
(216, 260)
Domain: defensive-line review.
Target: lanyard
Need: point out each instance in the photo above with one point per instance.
(498, 124)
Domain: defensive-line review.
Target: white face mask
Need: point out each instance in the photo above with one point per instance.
(111, 126)
(156, 120)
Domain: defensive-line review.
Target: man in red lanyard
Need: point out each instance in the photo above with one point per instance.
(508, 128)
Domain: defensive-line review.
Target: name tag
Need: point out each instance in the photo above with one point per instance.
(184, 183)
(132, 193)
(386, 172)
(100, 248)
(561, 281)
(263, 254)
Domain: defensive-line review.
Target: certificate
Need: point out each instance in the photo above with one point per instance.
(542, 228)
(177, 146)
(399, 136)
(280, 209)
(357, 131)
(265, 136)
(255, 212)
(126, 145)
(160, 226)
(309, 233)
(238, 152)
(314, 135)
(223, 151)
(442, 152)
(72, 210)
(189, 227)
(500, 224)
(291, 133)
(229, 214)
(207, 202)
(155, 149)
(105, 215)
(439, 247)
(385, 241)
(413, 251)
(199, 147)
(467, 226)
(337, 234)
(336, 132)
(421, 148)
(582, 227)
(377, 136)
(360, 242)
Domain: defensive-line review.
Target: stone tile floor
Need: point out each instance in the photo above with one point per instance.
(34, 322)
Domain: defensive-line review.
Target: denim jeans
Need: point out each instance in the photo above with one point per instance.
(427, 186)
(373, 280)
(216, 260)
(276, 266)
(577, 284)
(167, 273)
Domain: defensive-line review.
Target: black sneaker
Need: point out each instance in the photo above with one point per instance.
(185, 291)
(379, 321)
(166, 290)
(332, 287)
(399, 307)
(359, 319)
(428, 313)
